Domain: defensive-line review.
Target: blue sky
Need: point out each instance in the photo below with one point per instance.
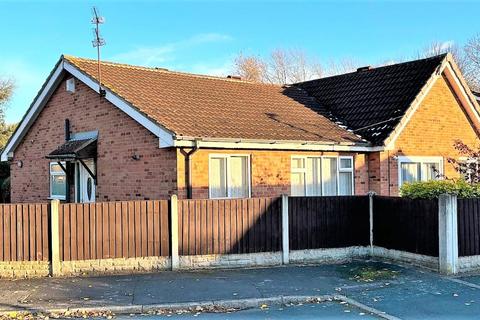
(204, 37)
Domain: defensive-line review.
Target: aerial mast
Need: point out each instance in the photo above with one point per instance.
(98, 42)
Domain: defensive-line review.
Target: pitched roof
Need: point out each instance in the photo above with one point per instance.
(373, 101)
(212, 107)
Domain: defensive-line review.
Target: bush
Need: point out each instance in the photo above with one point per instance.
(433, 189)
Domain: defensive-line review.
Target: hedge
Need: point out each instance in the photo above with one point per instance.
(434, 188)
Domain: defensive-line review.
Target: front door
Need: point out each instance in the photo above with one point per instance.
(85, 186)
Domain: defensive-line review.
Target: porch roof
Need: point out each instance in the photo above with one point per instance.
(75, 149)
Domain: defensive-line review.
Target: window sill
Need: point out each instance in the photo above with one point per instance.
(57, 198)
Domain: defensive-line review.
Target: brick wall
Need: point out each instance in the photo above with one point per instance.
(270, 171)
(120, 177)
(431, 131)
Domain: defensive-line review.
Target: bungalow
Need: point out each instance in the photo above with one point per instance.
(148, 133)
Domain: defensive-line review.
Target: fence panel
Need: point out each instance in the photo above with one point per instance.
(328, 222)
(229, 226)
(468, 227)
(406, 224)
(126, 229)
(24, 232)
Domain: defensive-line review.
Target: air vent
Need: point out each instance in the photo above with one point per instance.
(366, 68)
(70, 86)
(234, 77)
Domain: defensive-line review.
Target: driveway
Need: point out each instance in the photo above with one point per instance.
(397, 291)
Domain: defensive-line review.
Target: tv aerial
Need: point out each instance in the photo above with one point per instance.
(98, 42)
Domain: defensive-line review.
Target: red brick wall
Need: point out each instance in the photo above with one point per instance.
(270, 171)
(439, 120)
(119, 176)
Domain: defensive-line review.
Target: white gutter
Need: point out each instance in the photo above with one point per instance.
(272, 145)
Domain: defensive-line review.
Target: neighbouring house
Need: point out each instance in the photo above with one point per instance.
(148, 133)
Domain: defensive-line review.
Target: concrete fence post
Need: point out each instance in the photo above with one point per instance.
(447, 234)
(371, 194)
(174, 231)
(55, 237)
(285, 232)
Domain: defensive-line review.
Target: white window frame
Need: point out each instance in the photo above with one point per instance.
(418, 159)
(50, 174)
(322, 182)
(227, 175)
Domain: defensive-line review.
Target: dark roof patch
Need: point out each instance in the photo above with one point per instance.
(372, 102)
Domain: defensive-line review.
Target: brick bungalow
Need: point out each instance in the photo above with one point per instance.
(148, 133)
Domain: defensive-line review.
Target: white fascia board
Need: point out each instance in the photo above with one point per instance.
(274, 146)
(463, 96)
(165, 136)
(32, 112)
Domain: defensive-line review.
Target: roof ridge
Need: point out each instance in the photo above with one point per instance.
(165, 70)
(442, 56)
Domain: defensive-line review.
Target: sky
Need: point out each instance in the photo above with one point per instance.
(205, 37)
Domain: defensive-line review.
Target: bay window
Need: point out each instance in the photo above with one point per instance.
(229, 176)
(412, 169)
(321, 176)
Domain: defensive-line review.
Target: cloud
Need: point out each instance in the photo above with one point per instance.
(156, 55)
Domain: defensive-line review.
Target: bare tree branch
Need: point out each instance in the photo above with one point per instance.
(6, 91)
(281, 67)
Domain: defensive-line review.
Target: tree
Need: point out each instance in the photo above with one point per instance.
(472, 67)
(6, 90)
(469, 167)
(466, 57)
(281, 67)
(6, 130)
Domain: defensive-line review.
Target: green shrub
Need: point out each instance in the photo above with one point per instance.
(433, 189)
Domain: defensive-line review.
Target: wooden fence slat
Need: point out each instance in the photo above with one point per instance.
(124, 206)
(80, 232)
(118, 230)
(156, 230)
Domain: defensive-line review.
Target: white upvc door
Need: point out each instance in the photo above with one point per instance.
(85, 183)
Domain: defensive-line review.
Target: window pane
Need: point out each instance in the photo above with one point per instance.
(345, 163)
(429, 171)
(410, 172)
(55, 168)
(298, 184)
(58, 185)
(298, 163)
(329, 176)
(217, 181)
(345, 183)
(313, 181)
(238, 177)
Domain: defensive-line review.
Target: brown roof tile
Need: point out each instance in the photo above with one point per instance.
(211, 107)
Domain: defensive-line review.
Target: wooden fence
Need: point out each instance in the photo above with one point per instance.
(328, 222)
(406, 224)
(229, 226)
(125, 229)
(468, 227)
(24, 232)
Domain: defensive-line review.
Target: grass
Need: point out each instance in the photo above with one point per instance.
(371, 273)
